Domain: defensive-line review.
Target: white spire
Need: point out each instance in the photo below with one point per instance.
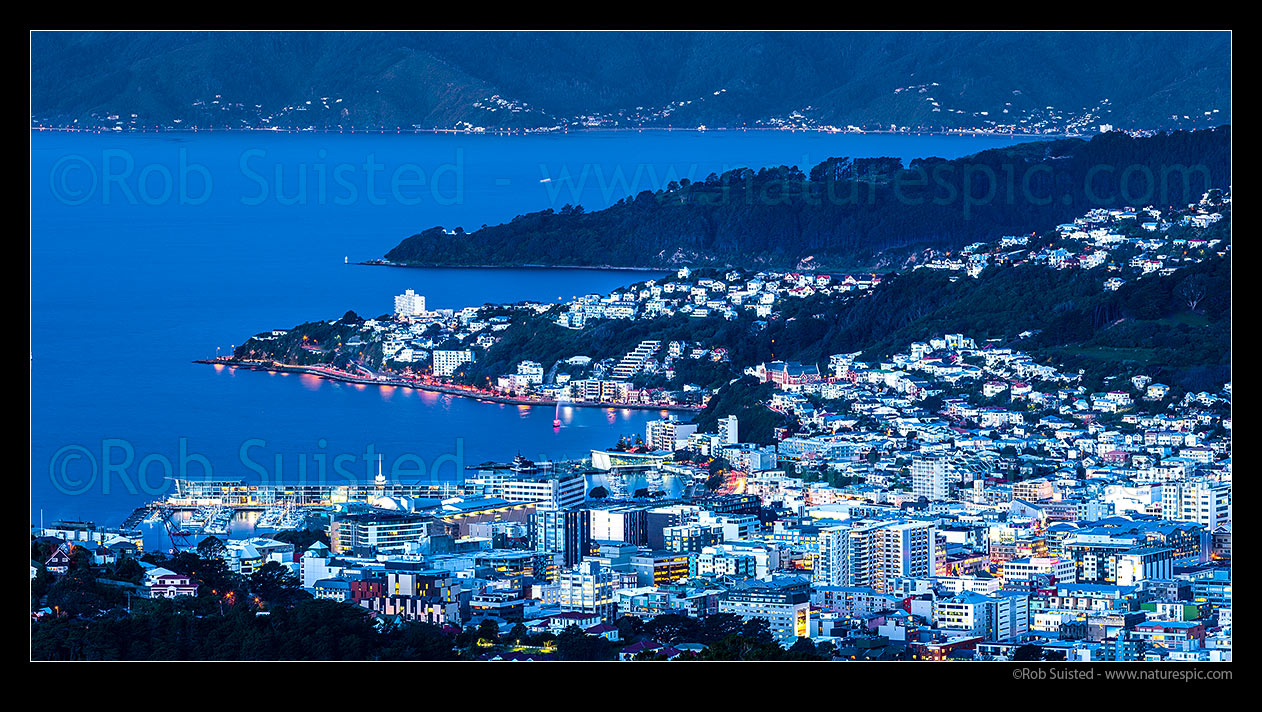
(381, 479)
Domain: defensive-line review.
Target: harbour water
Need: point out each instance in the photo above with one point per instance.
(151, 250)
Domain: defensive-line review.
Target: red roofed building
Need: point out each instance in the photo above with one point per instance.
(629, 652)
(59, 562)
(170, 585)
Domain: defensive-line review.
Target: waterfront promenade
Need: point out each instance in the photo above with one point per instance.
(423, 385)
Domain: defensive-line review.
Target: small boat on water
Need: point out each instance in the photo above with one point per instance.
(219, 522)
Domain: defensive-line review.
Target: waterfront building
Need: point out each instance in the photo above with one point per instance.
(378, 531)
(549, 487)
(668, 434)
(614, 460)
(446, 362)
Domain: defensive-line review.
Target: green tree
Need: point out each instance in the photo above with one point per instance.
(128, 569)
(210, 548)
(276, 585)
(574, 644)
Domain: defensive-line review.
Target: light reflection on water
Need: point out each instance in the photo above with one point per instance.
(175, 282)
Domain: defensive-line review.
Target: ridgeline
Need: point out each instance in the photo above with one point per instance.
(848, 214)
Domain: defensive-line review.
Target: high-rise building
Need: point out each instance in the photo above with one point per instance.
(1197, 500)
(409, 304)
(667, 434)
(659, 518)
(564, 532)
(588, 588)
(873, 553)
(729, 430)
(620, 523)
(931, 478)
(831, 565)
(446, 362)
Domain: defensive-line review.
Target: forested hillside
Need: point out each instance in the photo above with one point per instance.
(1031, 81)
(846, 213)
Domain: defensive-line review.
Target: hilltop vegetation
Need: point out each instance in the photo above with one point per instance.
(849, 213)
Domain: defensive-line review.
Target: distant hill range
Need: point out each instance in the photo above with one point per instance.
(1042, 82)
(870, 213)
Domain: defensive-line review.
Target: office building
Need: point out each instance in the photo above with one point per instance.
(784, 602)
(588, 588)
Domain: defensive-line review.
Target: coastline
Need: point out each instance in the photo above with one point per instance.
(605, 268)
(609, 268)
(485, 397)
(964, 133)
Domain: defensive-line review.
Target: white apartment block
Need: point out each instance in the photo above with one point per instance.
(409, 304)
(1027, 568)
(1198, 500)
(588, 588)
(872, 554)
(634, 360)
(548, 491)
(931, 478)
(446, 362)
(668, 434)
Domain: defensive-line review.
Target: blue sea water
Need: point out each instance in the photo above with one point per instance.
(151, 250)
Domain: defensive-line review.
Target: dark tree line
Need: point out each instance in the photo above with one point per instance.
(847, 211)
